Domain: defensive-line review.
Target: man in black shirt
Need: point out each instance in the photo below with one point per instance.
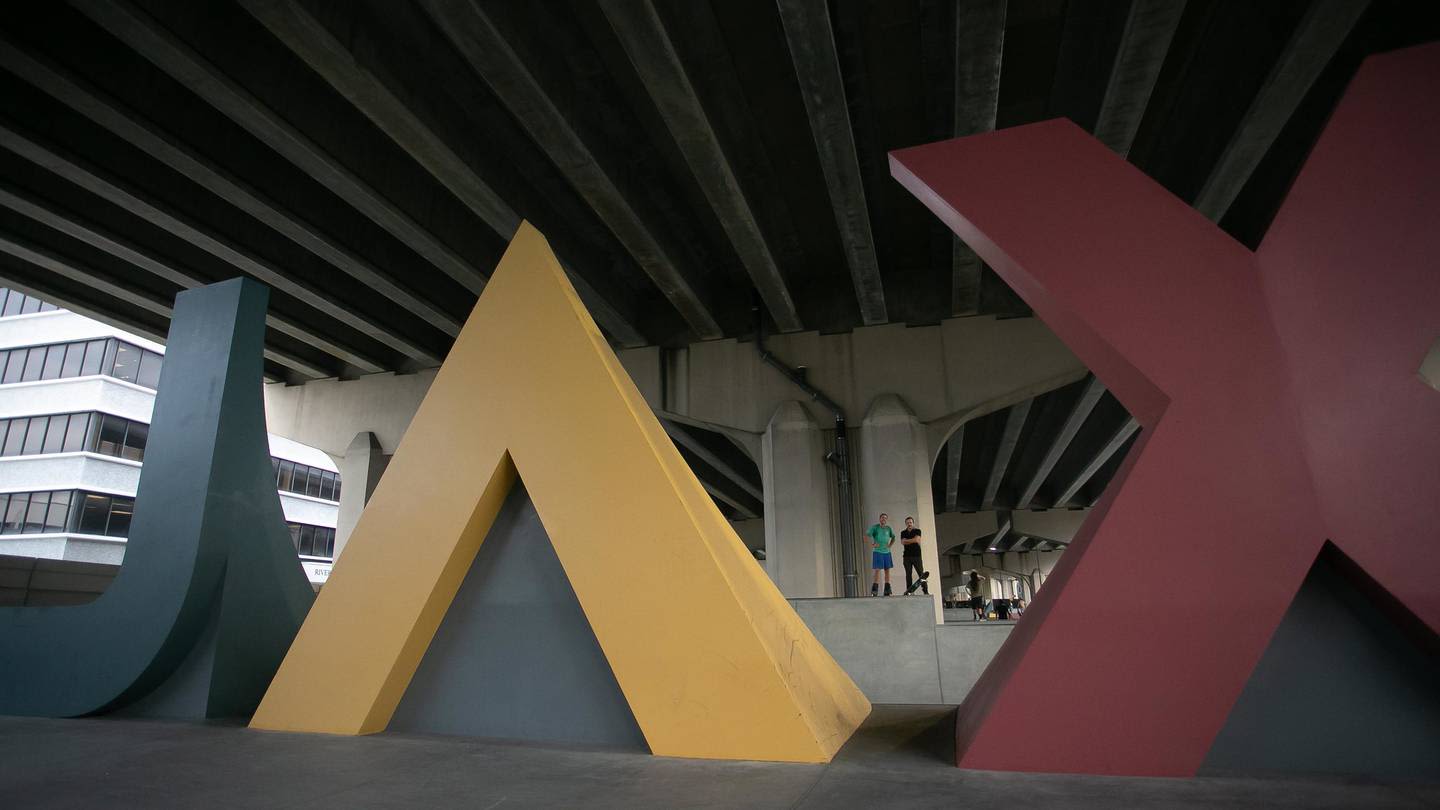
(910, 539)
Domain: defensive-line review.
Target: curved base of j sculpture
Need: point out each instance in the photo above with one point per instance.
(211, 592)
(707, 654)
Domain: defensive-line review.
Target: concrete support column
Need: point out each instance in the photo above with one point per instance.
(798, 552)
(360, 471)
(894, 473)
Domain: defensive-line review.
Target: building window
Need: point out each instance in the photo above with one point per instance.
(14, 436)
(109, 356)
(95, 513)
(54, 512)
(55, 433)
(16, 504)
(72, 432)
(35, 435)
(14, 302)
(149, 374)
(312, 541)
(302, 479)
(112, 435)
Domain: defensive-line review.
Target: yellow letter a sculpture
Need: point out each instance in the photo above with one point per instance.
(710, 657)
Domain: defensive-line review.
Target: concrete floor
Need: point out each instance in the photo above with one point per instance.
(900, 759)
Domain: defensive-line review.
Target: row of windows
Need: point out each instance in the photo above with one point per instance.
(303, 479)
(14, 302)
(66, 511)
(74, 432)
(115, 358)
(123, 438)
(109, 515)
(312, 541)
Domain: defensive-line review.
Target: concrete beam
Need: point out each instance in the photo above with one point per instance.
(290, 23)
(683, 438)
(1319, 35)
(1111, 447)
(954, 447)
(984, 544)
(938, 428)
(161, 216)
(979, 48)
(1079, 412)
(72, 226)
(152, 40)
(637, 24)
(1014, 422)
(66, 268)
(483, 46)
(155, 142)
(960, 530)
(745, 512)
(1149, 28)
(817, 66)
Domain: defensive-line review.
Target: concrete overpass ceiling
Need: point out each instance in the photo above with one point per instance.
(730, 476)
(365, 164)
(1028, 456)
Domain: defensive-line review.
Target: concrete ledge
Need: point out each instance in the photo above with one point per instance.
(964, 651)
(894, 651)
(886, 645)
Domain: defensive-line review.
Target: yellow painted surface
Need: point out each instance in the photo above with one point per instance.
(711, 658)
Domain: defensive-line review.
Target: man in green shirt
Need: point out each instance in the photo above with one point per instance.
(881, 537)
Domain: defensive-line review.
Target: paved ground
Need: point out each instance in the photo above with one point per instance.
(901, 759)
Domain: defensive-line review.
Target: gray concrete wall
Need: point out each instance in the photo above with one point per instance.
(895, 652)
(328, 413)
(964, 650)
(941, 371)
(960, 369)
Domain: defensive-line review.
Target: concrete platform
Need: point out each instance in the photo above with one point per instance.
(901, 758)
(896, 653)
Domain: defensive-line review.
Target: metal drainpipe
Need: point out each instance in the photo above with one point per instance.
(840, 458)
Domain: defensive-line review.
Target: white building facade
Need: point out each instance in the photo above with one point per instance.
(76, 397)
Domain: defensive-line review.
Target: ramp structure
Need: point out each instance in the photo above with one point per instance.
(709, 657)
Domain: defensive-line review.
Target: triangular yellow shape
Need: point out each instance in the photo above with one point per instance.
(711, 658)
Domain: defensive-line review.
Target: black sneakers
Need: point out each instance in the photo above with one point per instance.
(887, 589)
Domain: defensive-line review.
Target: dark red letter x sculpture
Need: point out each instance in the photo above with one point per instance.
(1280, 401)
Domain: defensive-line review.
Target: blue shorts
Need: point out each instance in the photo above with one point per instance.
(881, 559)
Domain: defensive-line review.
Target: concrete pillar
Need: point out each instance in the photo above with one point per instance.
(894, 473)
(360, 471)
(798, 552)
